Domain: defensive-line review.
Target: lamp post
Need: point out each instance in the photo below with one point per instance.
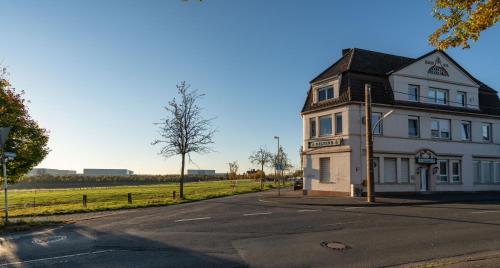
(278, 161)
(4, 156)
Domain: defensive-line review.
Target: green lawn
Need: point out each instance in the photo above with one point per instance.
(63, 201)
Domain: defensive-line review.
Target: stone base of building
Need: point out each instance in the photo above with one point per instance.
(324, 193)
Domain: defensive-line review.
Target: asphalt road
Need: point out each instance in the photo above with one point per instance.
(261, 230)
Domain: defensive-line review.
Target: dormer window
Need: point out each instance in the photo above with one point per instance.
(325, 93)
(438, 96)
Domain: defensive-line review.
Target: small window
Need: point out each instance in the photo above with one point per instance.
(476, 167)
(413, 91)
(375, 118)
(497, 173)
(338, 123)
(487, 172)
(413, 126)
(440, 129)
(405, 170)
(325, 125)
(438, 96)
(465, 130)
(455, 172)
(390, 170)
(443, 171)
(461, 98)
(312, 128)
(325, 93)
(486, 131)
(324, 169)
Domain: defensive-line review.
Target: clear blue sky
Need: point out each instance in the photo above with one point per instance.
(99, 72)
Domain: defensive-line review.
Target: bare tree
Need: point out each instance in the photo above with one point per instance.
(184, 130)
(261, 157)
(282, 160)
(233, 169)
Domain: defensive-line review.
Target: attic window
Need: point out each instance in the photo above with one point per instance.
(325, 93)
(438, 69)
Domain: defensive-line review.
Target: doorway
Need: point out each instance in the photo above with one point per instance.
(424, 179)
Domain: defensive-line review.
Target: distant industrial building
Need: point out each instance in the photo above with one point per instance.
(51, 172)
(202, 172)
(107, 172)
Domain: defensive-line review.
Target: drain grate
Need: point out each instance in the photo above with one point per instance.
(335, 245)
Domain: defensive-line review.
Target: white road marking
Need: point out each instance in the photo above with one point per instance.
(14, 237)
(340, 223)
(48, 240)
(57, 257)
(258, 213)
(266, 201)
(307, 210)
(194, 219)
(485, 211)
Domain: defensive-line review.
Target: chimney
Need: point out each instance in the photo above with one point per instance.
(345, 51)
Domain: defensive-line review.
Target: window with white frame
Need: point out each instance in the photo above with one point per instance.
(465, 130)
(376, 169)
(324, 169)
(461, 98)
(476, 168)
(338, 123)
(413, 92)
(486, 131)
(325, 125)
(456, 171)
(405, 170)
(413, 126)
(325, 93)
(438, 96)
(487, 172)
(376, 118)
(312, 128)
(443, 171)
(440, 128)
(390, 173)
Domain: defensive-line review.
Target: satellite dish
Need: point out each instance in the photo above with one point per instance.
(4, 133)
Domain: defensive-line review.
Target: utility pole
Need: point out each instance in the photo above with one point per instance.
(4, 160)
(370, 193)
(278, 162)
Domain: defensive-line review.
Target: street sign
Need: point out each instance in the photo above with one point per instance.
(10, 155)
(279, 167)
(4, 133)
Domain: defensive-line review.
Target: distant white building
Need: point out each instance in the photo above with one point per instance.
(51, 172)
(107, 172)
(203, 172)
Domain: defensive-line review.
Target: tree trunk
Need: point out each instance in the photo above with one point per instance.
(262, 178)
(181, 190)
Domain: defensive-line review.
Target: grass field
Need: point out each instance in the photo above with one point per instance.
(64, 201)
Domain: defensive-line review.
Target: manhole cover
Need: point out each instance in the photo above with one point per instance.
(335, 245)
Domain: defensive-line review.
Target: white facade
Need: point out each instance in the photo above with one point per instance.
(202, 172)
(51, 172)
(107, 172)
(465, 143)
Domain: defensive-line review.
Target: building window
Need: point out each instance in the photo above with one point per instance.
(325, 125)
(461, 98)
(338, 123)
(324, 169)
(465, 130)
(390, 170)
(312, 128)
(455, 171)
(440, 129)
(486, 131)
(375, 118)
(443, 171)
(438, 96)
(476, 166)
(405, 170)
(325, 93)
(413, 91)
(497, 174)
(413, 126)
(487, 172)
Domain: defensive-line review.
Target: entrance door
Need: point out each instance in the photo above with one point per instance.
(424, 175)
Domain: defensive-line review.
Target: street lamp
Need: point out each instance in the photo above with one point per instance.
(278, 162)
(381, 119)
(4, 157)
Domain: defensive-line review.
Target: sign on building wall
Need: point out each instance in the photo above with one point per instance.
(426, 157)
(326, 143)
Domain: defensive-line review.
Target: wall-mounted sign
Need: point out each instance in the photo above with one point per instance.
(426, 157)
(326, 143)
(437, 67)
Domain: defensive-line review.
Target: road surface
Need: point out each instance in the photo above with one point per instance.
(261, 230)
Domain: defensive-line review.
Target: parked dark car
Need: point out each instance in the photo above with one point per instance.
(298, 184)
